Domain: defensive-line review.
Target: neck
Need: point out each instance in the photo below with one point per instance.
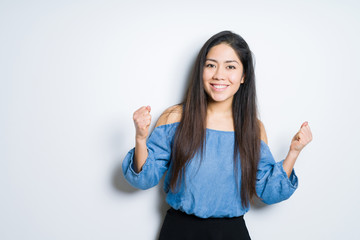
(220, 108)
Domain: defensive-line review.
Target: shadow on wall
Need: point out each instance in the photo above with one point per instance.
(118, 181)
(120, 184)
(162, 206)
(118, 154)
(257, 204)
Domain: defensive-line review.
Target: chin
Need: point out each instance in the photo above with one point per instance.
(218, 99)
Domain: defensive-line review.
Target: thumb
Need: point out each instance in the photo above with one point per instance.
(304, 124)
(148, 108)
(296, 137)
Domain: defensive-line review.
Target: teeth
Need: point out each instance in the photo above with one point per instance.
(220, 86)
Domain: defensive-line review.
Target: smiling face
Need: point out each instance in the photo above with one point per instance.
(222, 73)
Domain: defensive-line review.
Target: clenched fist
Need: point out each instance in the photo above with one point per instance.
(301, 138)
(142, 120)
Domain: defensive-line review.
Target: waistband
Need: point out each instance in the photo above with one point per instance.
(181, 214)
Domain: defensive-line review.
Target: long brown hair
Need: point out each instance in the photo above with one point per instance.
(190, 134)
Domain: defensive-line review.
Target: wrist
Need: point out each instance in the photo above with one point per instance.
(294, 153)
(140, 140)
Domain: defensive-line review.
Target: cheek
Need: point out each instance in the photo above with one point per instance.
(205, 75)
(206, 78)
(236, 78)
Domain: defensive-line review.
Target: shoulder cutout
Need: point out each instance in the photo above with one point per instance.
(170, 115)
(263, 132)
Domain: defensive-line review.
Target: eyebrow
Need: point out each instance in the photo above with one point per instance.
(227, 61)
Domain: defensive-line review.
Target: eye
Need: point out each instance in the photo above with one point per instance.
(209, 65)
(231, 67)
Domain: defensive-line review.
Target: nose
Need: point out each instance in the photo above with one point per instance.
(219, 74)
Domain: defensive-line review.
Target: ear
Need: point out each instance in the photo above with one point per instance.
(242, 79)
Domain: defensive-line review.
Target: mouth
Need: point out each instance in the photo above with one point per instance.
(219, 87)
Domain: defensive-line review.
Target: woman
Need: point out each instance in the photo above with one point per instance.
(214, 148)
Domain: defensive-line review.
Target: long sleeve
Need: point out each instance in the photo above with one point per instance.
(272, 183)
(159, 152)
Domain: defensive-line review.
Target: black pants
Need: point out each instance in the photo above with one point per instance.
(179, 225)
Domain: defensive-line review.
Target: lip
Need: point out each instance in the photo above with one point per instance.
(219, 89)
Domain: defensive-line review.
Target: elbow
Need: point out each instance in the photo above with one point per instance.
(140, 183)
(145, 186)
(142, 180)
(275, 197)
(142, 187)
(270, 201)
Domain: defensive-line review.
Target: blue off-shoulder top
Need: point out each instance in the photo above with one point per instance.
(210, 189)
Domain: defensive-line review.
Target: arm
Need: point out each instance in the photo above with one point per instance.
(272, 183)
(140, 155)
(142, 120)
(299, 141)
(145, 164)
(277, 181)
(157, 162)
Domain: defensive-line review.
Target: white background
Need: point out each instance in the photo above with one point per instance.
(73, 72)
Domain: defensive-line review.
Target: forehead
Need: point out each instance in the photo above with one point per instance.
(222, 52)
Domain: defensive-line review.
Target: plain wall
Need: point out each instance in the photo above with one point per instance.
(73, 72)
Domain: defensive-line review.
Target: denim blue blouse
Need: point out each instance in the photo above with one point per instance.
(210, 187)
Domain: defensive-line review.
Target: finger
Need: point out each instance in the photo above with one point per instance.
(139, 111)
(304, 131)
(308, 137)
(142, 108)
(145, 108)
(305, 139)
(143, 111)
(147, 118)
(138, 117)
(145, 123)
(304, 136)
(307, 130)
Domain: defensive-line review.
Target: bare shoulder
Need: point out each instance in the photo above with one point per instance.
(170, 115)
(263, 135)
